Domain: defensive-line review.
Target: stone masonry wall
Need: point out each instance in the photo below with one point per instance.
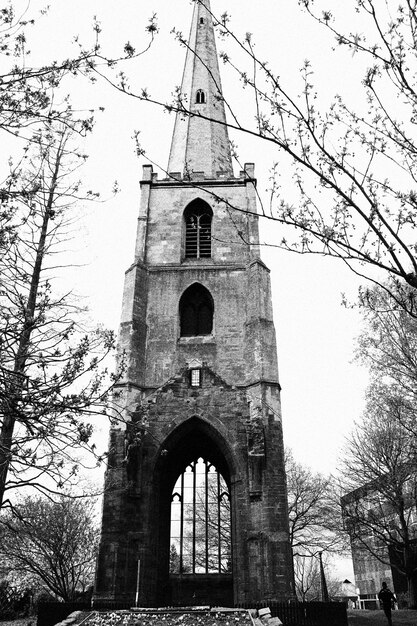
(233, 419)
(217, 420)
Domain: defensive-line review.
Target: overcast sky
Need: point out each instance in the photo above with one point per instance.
(322, 390)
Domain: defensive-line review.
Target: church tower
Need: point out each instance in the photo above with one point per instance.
(195, 507)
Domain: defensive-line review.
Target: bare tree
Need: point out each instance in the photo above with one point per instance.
(28, 94)
(51, 374)
(388, 347)
(213, 549)
(308, 582)
(380, 461)
(53, 542)
(207, 542)
(312, 512)
(307, 578)
(315, 522)
(352, 194)
(379, 480)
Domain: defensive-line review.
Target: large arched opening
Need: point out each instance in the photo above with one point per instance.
(195, 530)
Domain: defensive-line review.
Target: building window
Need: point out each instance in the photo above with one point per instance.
(200, 97)
(198, 217)
(201, 20)
(195, 378)
(196, 311)
(200, 539)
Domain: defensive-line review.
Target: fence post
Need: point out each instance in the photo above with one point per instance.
(137, 584)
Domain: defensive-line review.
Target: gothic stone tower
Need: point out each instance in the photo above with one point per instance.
(195, 496)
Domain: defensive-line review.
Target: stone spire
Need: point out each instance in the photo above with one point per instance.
(199, 145)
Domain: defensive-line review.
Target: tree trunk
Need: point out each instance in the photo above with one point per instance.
(412, 591)
(6, 438)
(10, 403)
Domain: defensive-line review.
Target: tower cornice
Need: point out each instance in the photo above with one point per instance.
(203, 183)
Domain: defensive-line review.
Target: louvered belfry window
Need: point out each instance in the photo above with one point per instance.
(198, 217)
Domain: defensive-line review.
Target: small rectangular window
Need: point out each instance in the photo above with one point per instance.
(195, 378)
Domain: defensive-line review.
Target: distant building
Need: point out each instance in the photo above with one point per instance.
(368, 517)
(370, 573)
(346, 592)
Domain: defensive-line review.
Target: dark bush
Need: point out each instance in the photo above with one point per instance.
(50, 613)
(13, 602)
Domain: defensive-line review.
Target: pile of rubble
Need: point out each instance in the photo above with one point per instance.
(138, 617)
(185, 617)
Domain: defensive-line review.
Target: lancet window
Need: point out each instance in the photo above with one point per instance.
(200, 540)
(198, 217)
(196, 311)
(200, 97)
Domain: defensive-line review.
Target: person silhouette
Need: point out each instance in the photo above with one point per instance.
(386, 597)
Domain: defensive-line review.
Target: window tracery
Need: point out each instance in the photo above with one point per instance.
(200, 536)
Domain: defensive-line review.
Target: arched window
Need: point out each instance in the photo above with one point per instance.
(196, 311)
(200, 540)
(198, 216)
(200, 97)
(201, 20)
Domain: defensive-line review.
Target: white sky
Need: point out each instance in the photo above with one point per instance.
(322, 390)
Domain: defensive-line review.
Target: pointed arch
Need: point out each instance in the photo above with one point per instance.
(200, 535)
(200, 96)
(198, 217)
(194, 439)
(196, 310)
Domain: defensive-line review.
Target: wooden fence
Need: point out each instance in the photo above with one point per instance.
(306, 613)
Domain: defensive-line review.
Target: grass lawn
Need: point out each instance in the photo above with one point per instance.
(377, 618)
(24, 621)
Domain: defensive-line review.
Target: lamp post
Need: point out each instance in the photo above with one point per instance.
(323, 584)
